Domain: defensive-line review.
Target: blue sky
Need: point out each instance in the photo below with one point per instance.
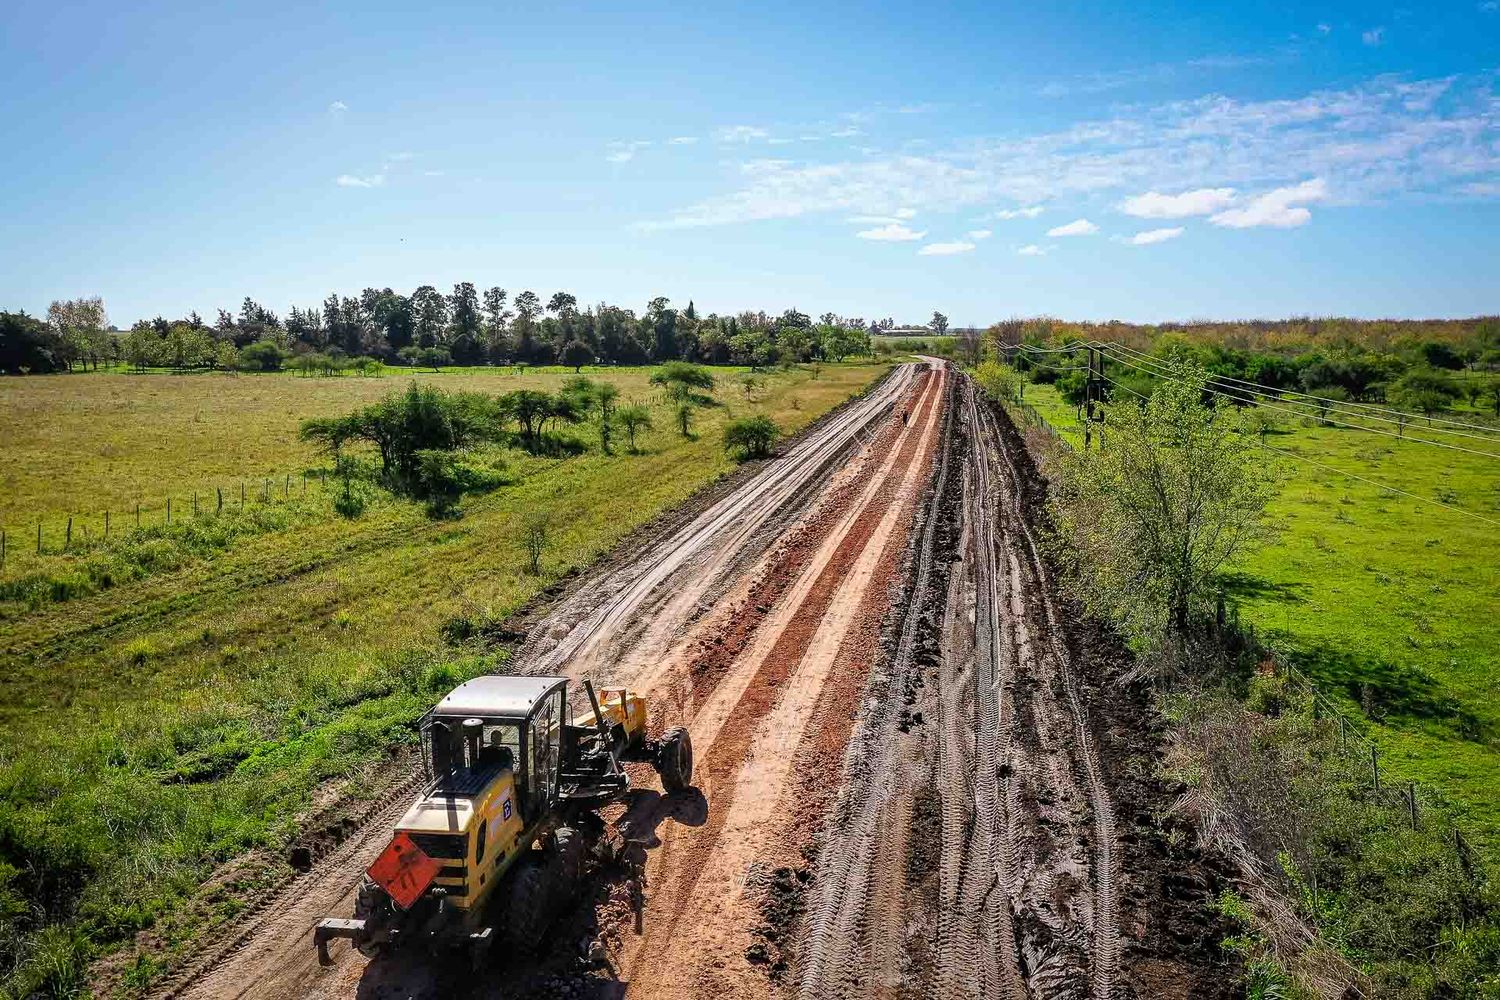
(1161, 161)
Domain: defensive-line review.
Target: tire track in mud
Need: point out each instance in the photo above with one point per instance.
(1024, 902)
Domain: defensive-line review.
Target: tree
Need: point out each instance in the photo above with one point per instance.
(143, 348)
(1426, 389)
(81, 324)
(263, 356)
(687, 385)
(534, 537)
(434, 357)
(29, 345)
(1002, 383)
(464, 319)
(939, 324)
(562, 304)
(429, 315)
(403, 424)
(634, 418)
(496, 318)
(530, 408)
(751, 437)
(606, 397)
(1175, 491)
(577, 354)
(227, 357)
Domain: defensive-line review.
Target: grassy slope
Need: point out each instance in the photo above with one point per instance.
(1373, 590)
(156, 728)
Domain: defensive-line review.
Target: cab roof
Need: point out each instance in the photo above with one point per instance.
(496, 695)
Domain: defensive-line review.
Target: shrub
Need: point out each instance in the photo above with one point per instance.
(751, 437)
(262, 356)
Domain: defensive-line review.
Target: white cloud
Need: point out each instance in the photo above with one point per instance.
(1281, 208)
(338, 106)
(944, 249)
(434, 173)
(624, 152)
(892, 232)
(1078, 227)
(682, 140)
(845, 132)
(1203, 201)
(621, 156)
(1029, 212)
(368, 181)
(1324, 29)
(740, 133)
(1150, 236)
(905, 213)
(1379, 141)
(980, 234)
(1032, 250)
(399, 157)
(1373, 37)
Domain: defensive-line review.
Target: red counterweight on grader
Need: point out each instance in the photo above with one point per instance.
(497, 840)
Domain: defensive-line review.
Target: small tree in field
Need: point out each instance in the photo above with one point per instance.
(534, 537)
(687, 385)
(634, 418)
(577, 354)
(1176, 490)
(751, 437)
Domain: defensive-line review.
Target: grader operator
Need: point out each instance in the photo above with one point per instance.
(495, 842)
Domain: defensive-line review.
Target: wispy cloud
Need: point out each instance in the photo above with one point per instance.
(1324, 29)
(1032, 250)
(338, 106)
(845, 132)
(682, 140)
(892, 232)
(624, 151)
(1385, 139)
(355, 181)
(945, 249)
(1281, 208)
(741, 133)
(1373, 37)
(1078, 227)
(980, 234)
(1150, 236)
(1203, 201)
(1029, 212)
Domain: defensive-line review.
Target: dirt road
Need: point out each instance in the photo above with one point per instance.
(805, 534)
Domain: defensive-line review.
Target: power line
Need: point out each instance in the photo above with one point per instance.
(1052, 350)
(1172, 376)
(1292, 392)
(1383, 486)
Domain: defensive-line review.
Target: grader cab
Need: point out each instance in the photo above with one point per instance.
(497, 839)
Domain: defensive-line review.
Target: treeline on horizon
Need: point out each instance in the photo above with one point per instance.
(1420, 365)
(466, 327)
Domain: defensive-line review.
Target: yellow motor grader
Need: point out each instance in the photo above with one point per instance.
(497, 839)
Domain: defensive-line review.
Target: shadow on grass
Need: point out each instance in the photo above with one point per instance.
(1389, 692)
(1248, 586)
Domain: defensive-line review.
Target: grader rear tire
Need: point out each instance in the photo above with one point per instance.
(674, 759)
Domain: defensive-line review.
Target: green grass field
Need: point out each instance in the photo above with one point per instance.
(1388, 603)
(152, 729)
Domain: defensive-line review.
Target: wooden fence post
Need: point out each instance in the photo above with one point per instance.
(1411, 802)
(68, 538)
(169, 510)
(137, 513)
(39, 538)
(286, 488)
(2, 548)
(242, 496)
(219, 490)
(106, 525)
(1375, 767)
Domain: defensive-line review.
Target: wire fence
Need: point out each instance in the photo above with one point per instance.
(83, 530)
